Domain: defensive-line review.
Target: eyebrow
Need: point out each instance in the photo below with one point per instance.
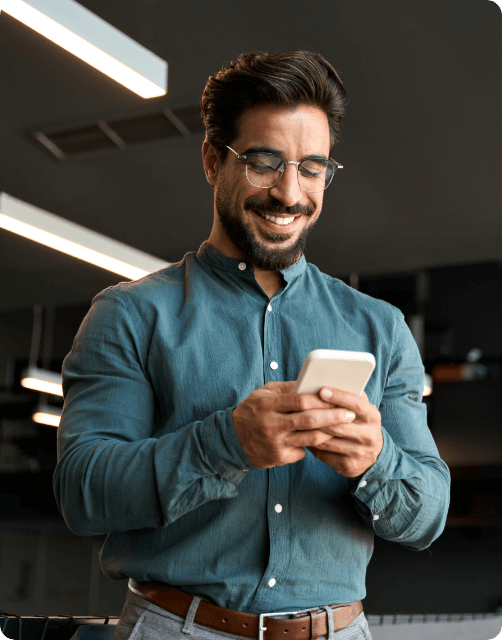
(278, 152)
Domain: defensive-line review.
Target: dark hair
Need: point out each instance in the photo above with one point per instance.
(287, 79)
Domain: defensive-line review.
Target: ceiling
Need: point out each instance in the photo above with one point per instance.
(421, 143)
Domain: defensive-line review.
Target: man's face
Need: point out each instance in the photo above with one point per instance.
(240, 206)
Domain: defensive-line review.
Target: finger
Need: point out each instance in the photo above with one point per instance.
(358, 404)
(328, 447)
(333, 459)
(344, 431)
(295, 402)
(319, 419)
(313, 438)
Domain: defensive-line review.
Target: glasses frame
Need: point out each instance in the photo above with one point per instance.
(245, 157)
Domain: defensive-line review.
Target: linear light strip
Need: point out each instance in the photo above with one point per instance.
(75, 240)
(70, 248)
(42, 386)
(93, 40)
(42, 380)
(50, 419)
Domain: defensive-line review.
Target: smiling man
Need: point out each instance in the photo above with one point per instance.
(266, 218)
(225, 495)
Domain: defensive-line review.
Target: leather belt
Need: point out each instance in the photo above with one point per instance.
(304, 626)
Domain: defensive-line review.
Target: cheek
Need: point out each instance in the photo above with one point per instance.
(317, 203)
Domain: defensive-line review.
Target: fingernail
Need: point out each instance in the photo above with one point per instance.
(326, 393)
(350, 415)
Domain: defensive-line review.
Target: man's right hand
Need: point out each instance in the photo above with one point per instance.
(274, 424)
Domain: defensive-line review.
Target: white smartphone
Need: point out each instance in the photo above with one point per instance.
(345, 370)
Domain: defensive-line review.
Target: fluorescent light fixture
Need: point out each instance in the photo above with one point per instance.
(44, 414)
(427, 385)
(92, 39)
(75, 240)
(42, 380)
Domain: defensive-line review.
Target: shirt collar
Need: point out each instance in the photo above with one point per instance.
(217, 260)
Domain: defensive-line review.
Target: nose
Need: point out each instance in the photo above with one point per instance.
(287, 190)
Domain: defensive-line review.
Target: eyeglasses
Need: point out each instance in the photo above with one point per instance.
(264, 170)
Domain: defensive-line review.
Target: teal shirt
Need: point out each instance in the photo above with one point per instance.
(147, 451)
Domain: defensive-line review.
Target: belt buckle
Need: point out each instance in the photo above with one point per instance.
(262, 629)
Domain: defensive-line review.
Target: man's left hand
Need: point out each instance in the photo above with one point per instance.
(354, 446)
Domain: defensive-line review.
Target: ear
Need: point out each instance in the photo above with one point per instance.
(211, 163)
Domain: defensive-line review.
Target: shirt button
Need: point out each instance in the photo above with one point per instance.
(242, 266)
(363, 484)
(274, 365)
(272, 582)
(269, 308)
(376, 516)
(278, 508)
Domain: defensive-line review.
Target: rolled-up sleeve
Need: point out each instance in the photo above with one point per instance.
(113, 474)
(404, 496)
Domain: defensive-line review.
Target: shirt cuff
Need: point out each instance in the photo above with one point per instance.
(365, 487)
(223, 448)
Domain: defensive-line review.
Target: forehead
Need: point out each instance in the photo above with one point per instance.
(300, 131)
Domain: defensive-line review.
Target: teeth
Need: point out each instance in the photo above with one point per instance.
(282, 221)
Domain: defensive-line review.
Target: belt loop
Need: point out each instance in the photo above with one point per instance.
(331, 625)
(192, 610)
(314, 632)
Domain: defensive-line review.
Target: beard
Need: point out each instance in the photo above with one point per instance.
(241, 235)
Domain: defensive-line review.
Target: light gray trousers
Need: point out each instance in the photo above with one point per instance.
(142, 620)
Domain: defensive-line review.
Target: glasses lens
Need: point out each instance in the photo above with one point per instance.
(264, 169)
(315, 175)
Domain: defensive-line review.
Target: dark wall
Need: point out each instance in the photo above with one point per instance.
(459, 573)
(16, 332)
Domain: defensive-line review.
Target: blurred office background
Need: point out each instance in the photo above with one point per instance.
(414, 218)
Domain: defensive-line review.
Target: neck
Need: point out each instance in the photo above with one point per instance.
(269, 281)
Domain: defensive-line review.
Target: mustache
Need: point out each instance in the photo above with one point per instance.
(274, 206)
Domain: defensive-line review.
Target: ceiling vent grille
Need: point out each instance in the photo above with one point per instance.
(119, 134)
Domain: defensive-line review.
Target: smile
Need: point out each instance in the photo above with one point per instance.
(276, 219)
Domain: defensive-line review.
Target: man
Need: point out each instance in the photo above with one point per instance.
(224, 494)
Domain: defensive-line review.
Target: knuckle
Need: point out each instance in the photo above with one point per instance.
(302, 402)
(297, 402)
(283, 457)
(270, 426)
(295, 422)
(310, 421)
(262, 403)
(319, 439)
